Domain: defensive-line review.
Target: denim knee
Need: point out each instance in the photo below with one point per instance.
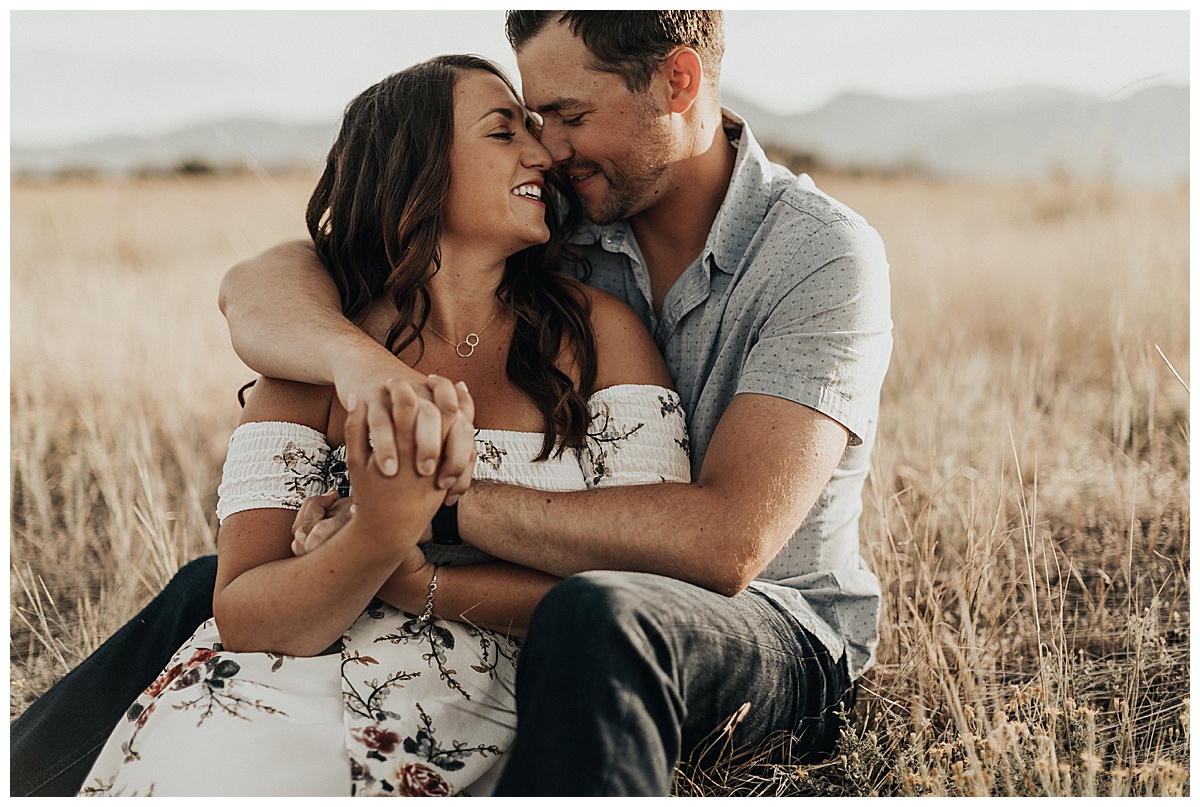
(602, 615)
(586, 604)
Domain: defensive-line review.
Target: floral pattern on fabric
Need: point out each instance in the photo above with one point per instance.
(397, 747)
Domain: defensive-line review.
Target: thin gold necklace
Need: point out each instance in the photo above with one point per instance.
(470, 342)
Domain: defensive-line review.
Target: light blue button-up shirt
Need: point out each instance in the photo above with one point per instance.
(790, 297)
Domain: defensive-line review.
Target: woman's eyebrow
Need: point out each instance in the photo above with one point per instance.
(500, 110)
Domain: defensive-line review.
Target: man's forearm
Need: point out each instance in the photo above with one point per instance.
(766, 464)
(285, 317)
(676, 530)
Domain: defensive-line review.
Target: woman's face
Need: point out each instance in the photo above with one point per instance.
(496, 167)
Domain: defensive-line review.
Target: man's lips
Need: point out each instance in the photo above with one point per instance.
(581, 177)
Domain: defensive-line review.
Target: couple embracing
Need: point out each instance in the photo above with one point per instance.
(555, 468)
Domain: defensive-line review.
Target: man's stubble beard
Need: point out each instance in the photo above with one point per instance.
(630, 182)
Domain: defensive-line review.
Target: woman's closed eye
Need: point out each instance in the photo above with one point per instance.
(503, 135)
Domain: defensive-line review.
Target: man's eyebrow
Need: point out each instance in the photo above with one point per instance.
(558, 104)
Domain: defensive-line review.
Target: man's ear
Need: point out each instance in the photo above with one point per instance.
(685, 74)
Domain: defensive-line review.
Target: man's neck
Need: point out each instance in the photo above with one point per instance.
(672, 232)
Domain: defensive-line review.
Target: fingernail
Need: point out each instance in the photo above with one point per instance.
(428, 467)
(353, 509)
(351, 402)
(452, 499)
(448, 482)
(299, 533)
(390, 467)
(463, 384)
(434, 377)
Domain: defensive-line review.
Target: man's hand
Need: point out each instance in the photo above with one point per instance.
(264, 296)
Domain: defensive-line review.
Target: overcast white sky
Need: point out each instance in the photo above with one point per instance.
(76, 75)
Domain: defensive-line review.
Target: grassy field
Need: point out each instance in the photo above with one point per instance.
(1027, 513)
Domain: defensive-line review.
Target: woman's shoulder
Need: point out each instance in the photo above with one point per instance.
(625, 352)
(278, 400)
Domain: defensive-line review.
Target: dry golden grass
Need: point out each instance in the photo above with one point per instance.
(1027, 513)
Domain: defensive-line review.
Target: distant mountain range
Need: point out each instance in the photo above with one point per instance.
(1027, 132)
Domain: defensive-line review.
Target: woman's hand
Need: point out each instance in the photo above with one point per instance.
(321, 517)
(446, 430)
(394, 508)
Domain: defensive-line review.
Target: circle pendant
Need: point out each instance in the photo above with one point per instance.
(471, 341)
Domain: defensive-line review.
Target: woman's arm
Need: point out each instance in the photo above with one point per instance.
(497, 595)
(268, 599)
(285, 321)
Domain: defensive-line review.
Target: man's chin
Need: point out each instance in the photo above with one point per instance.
(602, 211)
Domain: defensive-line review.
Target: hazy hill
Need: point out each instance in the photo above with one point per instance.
(1023, 132)
(228, 144)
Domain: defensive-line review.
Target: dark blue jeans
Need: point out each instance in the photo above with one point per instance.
(54, 743)
(623, 674)
(620, 677)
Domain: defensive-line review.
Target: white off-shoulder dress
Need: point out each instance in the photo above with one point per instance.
(400, 709)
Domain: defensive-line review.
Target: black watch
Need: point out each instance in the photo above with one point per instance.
(445, 525)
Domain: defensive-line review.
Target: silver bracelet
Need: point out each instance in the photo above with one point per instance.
(427, 614)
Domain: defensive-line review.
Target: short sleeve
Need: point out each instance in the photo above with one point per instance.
(275, 465)
(827, 340)
(638, 436)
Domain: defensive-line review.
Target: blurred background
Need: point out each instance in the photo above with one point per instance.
(1028, 509)
(967, 93)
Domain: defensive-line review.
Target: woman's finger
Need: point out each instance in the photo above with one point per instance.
(322, 532)
(312, 511)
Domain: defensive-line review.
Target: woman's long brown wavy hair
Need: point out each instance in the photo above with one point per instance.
(376, 219)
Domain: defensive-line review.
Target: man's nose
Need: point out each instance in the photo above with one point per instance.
(558, 146)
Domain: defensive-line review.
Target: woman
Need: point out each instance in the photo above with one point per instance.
(361, 667)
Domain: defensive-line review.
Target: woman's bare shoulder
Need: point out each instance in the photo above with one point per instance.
(625, 352)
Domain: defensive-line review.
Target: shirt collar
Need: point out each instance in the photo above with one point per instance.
(746, 202)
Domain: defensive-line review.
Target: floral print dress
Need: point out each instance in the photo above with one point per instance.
(396, 708)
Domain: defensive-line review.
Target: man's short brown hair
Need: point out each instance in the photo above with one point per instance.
(631, 44)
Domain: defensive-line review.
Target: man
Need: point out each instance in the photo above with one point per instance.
(740, 599)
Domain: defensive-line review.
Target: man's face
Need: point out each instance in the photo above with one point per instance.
(614, 145)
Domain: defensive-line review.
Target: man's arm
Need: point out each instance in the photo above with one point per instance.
(285, 321)
(767, 464)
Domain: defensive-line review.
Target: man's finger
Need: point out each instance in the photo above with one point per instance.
(358, 449)
(445, 396)
(405, 409)
(458, 457)
(466, 404)
(428, 435)
(381, 428)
